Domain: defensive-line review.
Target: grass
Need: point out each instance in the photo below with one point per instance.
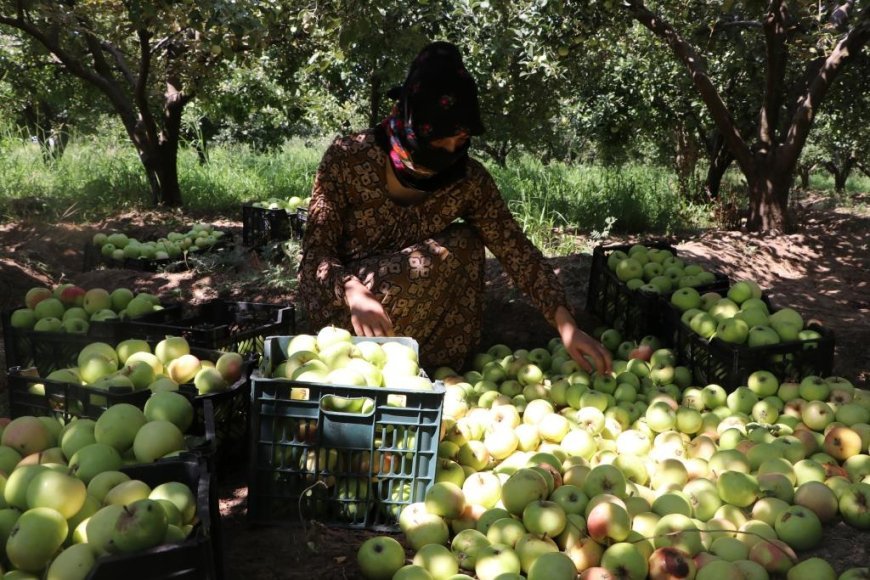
(98, 177)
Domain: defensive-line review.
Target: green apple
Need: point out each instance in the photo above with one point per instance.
(35, 538)
(23, 318)
(799, 527)
(58, 491)
(380, 557)
(623, 559)
(522, 488)
(736, 488)
(438, 560)
(762, 335)
(628, 269)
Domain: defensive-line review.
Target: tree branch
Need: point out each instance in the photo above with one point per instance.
(74, 65)
(840, 16)
(93, 45)
(687, 54)
(721, 25)
(120, 62)
(140, 89)
(776, 55)
(810, 102)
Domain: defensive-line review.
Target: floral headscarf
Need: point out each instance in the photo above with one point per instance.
(438, 99)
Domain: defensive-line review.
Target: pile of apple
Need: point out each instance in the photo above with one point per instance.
(65, 503)
(741, 317)
(335, 357)
(132, 365)
(547, 472)
(70, 308)
(656, 270)
(118, 246)
(290, 205)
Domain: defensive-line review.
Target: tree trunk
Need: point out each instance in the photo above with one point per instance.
(498, 152)
(804, 174)
(170, 137)
(841, 173)
(768, 198)
(719, 164)
(160, 159)
(685, 160)
(167, 174)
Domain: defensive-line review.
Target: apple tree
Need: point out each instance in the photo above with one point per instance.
(148, 59)
(802, 48)
(843, 130)
(517, 51)
(40, 100)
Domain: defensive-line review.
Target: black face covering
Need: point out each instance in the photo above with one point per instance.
(437, 159)
(437, 100)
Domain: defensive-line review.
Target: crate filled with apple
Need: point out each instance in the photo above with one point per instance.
(725, 338)
(224, 325)
(628, 282)
(135, 374)
(56, 323)
(75, 508)
(344, 430)
(118, 250)
(547, 471)
(273, 220)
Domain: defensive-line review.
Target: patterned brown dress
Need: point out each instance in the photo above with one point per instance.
(424, 265)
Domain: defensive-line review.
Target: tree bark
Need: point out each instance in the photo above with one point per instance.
(804, 174)
(719, 164)
(840, 172)
(498, 152)
(768, 195)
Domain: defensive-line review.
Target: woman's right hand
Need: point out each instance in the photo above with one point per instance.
(367, 314)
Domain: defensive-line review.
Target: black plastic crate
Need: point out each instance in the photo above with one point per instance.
(94, 258)
(352, 469)
(261, 225)
(199, 556)
(231, 408)
(729, 365)
(49, 351)
(634, 313)
(31, 395)
(240, 327)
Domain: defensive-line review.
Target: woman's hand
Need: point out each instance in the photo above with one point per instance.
(580, 345)
(367, 314)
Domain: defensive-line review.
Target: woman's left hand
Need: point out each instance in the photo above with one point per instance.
(580, 345)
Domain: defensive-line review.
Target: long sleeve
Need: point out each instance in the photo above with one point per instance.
(321, 272)
(520, 258)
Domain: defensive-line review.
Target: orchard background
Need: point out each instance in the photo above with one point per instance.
(736, 130)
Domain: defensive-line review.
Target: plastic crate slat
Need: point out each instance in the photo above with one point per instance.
(289, 454)
(230, 409)
(261, 225)
(49, 351)
(199, 556)
(633, 313)
(221, 325)
(729, 365)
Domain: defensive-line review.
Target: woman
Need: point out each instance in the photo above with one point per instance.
(384, 253)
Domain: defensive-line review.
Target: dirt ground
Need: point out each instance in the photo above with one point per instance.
(823, 270)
